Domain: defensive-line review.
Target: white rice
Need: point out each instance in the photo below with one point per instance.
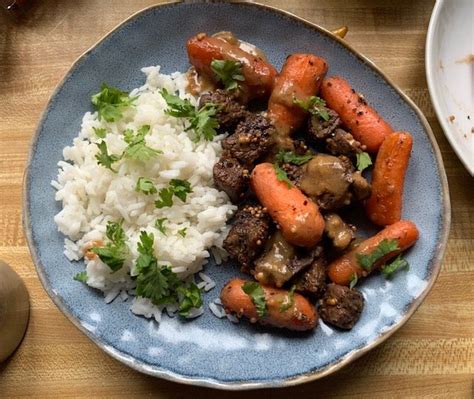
(92, 195)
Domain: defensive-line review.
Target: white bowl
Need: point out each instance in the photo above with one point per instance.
(450, 73)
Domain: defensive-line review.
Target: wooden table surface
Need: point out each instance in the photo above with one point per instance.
(431, 356)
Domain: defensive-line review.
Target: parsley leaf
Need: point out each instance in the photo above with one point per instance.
(290, 157)
(178, 107)
(257, 295)
(191, 298)
(289, 300)
(354, 280)
(137, 148)
(202, 121)
(145, 185)
(116, 251)
(314, 105)
(180, 188)
(281, 174)
(228, 72)
(103, 157)
(182, 232)
(384, 248)
(81, 276)
(160, 225)
(398, 264)
(110, 102)
(100, 132)
(159, 283)
(363, 161)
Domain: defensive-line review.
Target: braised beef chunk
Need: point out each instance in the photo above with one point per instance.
(252, 139)
(327, 179)
(343, 143)
(274, 266)
(341, 306)
(319, 129)
(360, 186)
(312, 280)
(247, 237)
(230, 111)
(231, 177)
(294, 172)
(339, 232)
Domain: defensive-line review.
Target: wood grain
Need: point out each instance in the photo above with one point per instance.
(432, 356)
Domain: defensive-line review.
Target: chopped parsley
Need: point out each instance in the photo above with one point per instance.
(354, 280)
(202, 121)
(281, 174)
(177, 187)
(159, 283)
(314, 105)
(228, 72)
(290, 157)
(190, 298)
(363, 161)
(104, 158)
(384, 248)
(257, 295)
(160, 225)
(137, 148)
(289, 300)
(115, 252)
(100, 132)
(398, 264)
(110, 102)
(81, 276)
(145, 186)
(182, 232)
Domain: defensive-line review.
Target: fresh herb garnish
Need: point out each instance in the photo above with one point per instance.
(384, 248)
(160, 225)
(104, 158)
(354, 280)
(81, 276)
(177, 187)
(289, 300)
(228, 72)
(190, 297)
(314, 105)
(281, 174)
(257, 295)
(203, 121)
(110, 102)
(290, 157)
(182, 232)
(137, 148)
(398, 264)
(159, 283)
(363, 161)
(116, 251)
(145, 186)
(100, 132)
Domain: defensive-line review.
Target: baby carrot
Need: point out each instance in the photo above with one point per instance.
(384, 205)
(299, 219)
(342, 270)
(364, 123)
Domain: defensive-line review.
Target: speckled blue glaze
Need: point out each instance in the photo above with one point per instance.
(210, 351)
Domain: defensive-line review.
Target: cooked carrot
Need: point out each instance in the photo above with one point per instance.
(342, 270)
(384, 205)
(259, 74)
(300, 78)
(299, 219)
(298, 314)
(364, 123)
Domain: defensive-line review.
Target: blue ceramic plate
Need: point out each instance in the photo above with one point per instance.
(210, 351)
